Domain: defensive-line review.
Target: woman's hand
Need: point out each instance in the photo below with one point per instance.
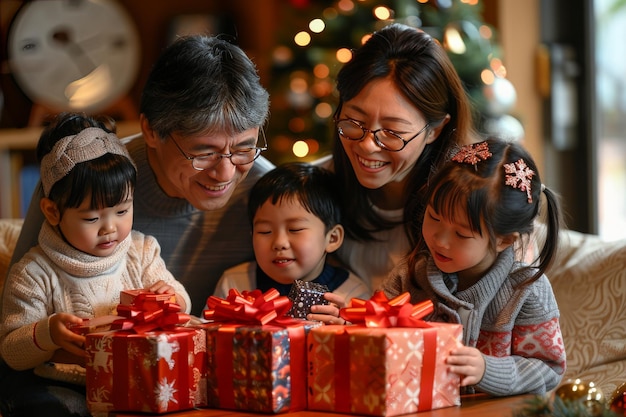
(328, 313)
(62, 336)
(468, 363)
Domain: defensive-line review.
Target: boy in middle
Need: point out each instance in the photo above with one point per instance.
(296, 223)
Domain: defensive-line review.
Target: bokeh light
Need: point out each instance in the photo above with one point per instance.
(302, 38)
(300, 149)
(453, 41)
(487, 77)
(323, 110)
(344, 55)
(298, 84)
(282, 55)
(317, 25)
(382, 13)
(321, 71)
(485, 31)
(345, 5)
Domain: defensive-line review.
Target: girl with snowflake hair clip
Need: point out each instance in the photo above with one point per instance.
(480, 207)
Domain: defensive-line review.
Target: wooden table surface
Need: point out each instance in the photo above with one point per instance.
(471, 406)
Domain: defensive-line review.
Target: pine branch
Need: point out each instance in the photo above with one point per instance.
(542, 406)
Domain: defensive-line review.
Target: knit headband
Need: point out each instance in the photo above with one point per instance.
(87, 145)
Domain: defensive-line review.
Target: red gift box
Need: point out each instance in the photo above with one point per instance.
(382, 371)
(97, 324)
(159, 370)
(256, 355)
(128, 297)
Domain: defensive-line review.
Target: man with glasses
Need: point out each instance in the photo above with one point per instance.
(241, 156)
(199, 153)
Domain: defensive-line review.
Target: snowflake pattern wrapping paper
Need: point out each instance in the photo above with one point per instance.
(155, 372)
(381, 371)
(257, 368)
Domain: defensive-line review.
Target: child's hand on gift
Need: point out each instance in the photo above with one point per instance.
(328, 313)
(60, 331)
(162, 287)
(468, 363)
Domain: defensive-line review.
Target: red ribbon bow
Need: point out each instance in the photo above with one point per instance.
(253, 307)
(379, 311)
(148, 312)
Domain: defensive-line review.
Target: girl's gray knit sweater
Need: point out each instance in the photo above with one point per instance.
(516, 327)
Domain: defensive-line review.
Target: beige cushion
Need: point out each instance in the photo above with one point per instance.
(589, 284)
(9, 231)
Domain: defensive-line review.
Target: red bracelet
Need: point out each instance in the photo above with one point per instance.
(34, 338)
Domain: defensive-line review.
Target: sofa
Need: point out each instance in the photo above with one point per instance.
(589, 281)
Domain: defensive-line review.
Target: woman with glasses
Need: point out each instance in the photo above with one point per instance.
(402, 108)
(202, 113)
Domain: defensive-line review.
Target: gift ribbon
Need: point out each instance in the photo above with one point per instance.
(427, 380)
(149, 312)
(343, 395)
(250, 307)
(379, 311)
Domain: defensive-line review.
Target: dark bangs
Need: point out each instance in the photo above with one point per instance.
(301, 183)
(108, 180)
(461, 193)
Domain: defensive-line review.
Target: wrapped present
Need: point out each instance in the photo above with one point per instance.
(151, 364)
(303, 295)
(256, 355)
(132, 297)
(390, 363)
(97, 324)
(133, 303)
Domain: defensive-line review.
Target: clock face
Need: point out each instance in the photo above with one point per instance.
(74, 55)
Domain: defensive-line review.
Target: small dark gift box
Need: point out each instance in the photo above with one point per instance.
(304, 295)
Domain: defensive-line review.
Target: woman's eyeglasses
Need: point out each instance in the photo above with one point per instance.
(384, 138)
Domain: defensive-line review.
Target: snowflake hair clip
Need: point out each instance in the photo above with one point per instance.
(472, 154)
(518, 175)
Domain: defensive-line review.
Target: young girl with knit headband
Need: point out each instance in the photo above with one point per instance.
(480, 206)
(86, 255)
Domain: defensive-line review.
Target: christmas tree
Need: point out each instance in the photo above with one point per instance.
(318, 36)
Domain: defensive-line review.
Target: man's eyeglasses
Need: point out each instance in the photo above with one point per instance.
(209, 160)
(384, 138)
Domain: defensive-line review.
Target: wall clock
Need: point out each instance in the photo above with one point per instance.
(74, 55)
